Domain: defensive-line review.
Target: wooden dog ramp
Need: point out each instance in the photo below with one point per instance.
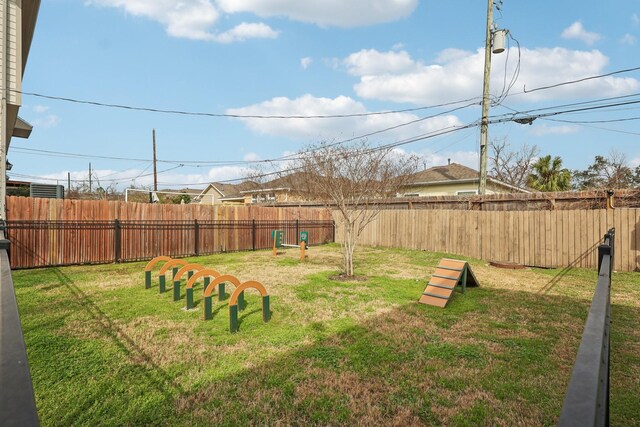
(449, 273)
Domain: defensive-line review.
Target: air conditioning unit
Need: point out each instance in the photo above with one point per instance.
(48, 191)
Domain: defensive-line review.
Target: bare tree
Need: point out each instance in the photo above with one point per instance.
(509, 166)
(350, 180)
(103, 193)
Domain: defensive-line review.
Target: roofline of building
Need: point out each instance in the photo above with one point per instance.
(467, 181)
(264, 190)
(232, 198)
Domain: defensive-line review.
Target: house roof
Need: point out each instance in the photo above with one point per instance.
(454, 173)
(288, 182)
(229, 191)
(237, 191)
(450, 172)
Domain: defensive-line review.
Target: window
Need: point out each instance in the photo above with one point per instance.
(254, 198)
(467, 193)
(272, 197)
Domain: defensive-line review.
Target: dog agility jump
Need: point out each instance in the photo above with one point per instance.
(196, 271)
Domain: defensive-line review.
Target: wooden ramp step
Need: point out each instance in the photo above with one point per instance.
(448, 274)
(438, 302)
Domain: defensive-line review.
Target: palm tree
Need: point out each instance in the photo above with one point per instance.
(547, 175)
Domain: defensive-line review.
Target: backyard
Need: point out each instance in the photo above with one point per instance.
(103, 350)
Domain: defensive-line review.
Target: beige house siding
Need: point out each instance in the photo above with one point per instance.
(451, 189)
(13, 30)
(210, 196)
(278, 196)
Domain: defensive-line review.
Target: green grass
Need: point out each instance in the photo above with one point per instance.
(105, 351)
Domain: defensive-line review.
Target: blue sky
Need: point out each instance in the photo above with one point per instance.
(286, 57)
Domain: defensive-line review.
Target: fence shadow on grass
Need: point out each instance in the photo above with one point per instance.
(154, 373)
(413, 365)
(591, 252)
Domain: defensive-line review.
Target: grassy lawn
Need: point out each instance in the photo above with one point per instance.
(104, 350)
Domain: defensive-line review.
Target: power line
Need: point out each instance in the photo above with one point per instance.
(236, 162)
(440, 132)
(82, 180)
(599, 76)
(596, 127)
(293, 156)
(626, 119)
(573, 104)
(517, 115)
(235, 116)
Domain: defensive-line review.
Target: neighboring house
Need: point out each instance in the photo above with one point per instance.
(453, 180)
(17, 23)
(218, 193)
(279, 190)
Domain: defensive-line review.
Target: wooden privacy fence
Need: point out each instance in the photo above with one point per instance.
(51, 243)
(567, 238)
(47, 232)
(37, 209)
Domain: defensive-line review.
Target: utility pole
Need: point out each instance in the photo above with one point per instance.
(484, 124)
(155, 172)
(68, 181)
(89, 177)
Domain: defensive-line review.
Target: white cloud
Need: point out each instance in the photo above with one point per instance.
(628, 39)
(371, 61)
(457, 75)
(46, 122)
(246, 31)
(577, 31)
(40, 108)
(190, 19)
(305, 62)
(251, 157)
(334, 128)
(635, 18)
(429, 158)
(542, 130)
(195, 19)
(339, 13)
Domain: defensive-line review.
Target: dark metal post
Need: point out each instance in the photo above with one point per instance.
(602, 251)
(586, 402)
(297, 242)
(116, 240)
(196, 239)
(253, 234)
(612, 238)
